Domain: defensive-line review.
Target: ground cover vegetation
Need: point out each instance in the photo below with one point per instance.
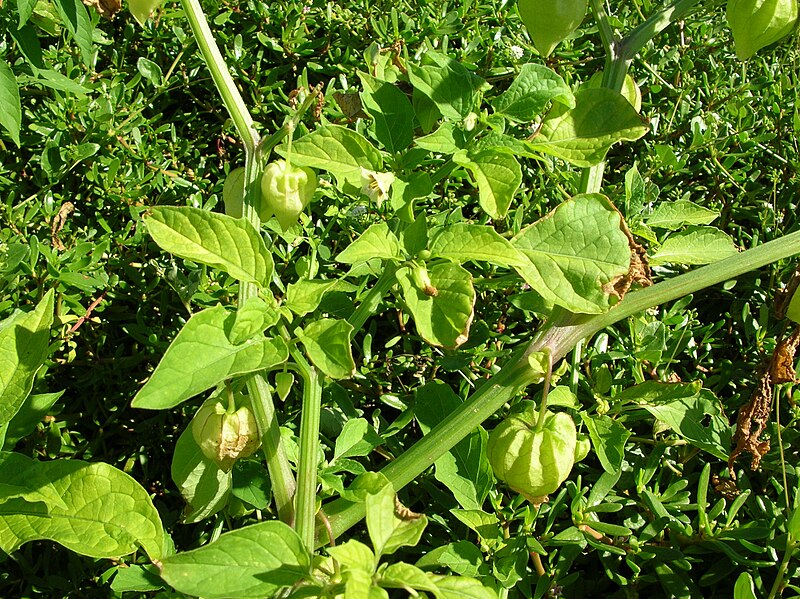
(372, 299)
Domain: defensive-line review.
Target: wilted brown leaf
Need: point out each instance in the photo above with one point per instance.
(105, 8)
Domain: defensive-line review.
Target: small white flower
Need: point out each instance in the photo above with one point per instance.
(375, 185)
(517, 52)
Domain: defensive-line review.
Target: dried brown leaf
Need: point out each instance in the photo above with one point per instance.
(105, 8)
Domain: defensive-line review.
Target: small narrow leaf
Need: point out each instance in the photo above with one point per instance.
(218, 240)
(10, 107)
(462, 242)
(575, 253)
(327, 342)
(376, 242)
(254, 561)
(201, 356)
(107, 513)
(77, 21)
(673, 215)
(24, 339)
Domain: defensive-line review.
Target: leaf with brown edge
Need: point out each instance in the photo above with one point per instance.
(638, 271)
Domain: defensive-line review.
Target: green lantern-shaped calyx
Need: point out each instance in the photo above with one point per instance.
(759, 23)
(549, 22)
(285, 191)
(225, 435)
(534, 462)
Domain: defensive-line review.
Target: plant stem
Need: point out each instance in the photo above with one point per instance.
(306, 505)
(373, 299)
(219, 73)
(280, 472)
(559, 334)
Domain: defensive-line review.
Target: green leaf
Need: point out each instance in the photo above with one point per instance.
(608, 439)
(529, 94)
(24, 339)
(695, 245)
(305, 295)
(357, 438)
(582, 135)
(674, 215)
(77, 21)
(405, 576)
(744, 589)
(487, 526)
(254, 561)
(201, 356)
(141, 9)
(655, 393)
(25, 10)
(391, 112)
(107, 514)
(31, 412)
(337, 150)
(461, 587)
(203, 485)
(575, 254)
(465, 469)
(132, 577)
(462, 242)
(327, 342)
(149, 70)
(461, 557)
(230, 244)
(57, 81)
(252, 318)
(387, 530)
(443, 319)
(447, 139)
(251, 483)
(699, 420)
(10, 106)
(793, 310)
(354, 554)
(376, 242)
(498, 176)
(448, 84)
(20, 478)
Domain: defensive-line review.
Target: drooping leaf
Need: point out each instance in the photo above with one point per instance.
(444, 318)
(498, 176)
(254, 561)
(203, 485)
(24, 338)
(107, 514)
(608, 439)
(376, 242)
(389, 530)
(695, 245)
(10, 107)
(575, 253)
(337, 150)
(582, 135)
(79, 25)
(531, 91)
(201, 356)
(447, 83)
(465, 469)
(230, 244)
(327, 342)
(391, 112)
(31, 412)
(462, 242)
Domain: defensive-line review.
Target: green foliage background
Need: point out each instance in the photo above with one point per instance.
(142, 127)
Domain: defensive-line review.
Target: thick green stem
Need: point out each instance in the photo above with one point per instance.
(219, 73)
(280, 471)
(559, 335)
(370, 304)
(306, 506)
